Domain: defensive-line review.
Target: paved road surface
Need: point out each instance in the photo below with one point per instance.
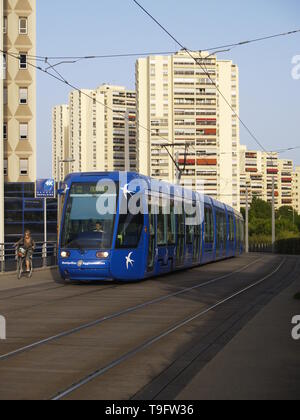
(150, 340)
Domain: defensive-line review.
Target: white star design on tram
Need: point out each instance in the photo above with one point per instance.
(126, 191)
(129, 261)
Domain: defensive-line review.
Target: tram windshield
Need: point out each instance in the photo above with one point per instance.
(85, 227)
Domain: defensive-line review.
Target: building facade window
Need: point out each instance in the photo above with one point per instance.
(23, 131)
(5, 96)
(5, 24)
(23, 61)
(23, 167)
(23, 96)
(4, 66)
(5, 167)
(23, 26)
(5, 131)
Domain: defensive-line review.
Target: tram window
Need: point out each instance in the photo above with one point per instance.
(180, 218)
(225, 228)
(209, 225)
(221, 228)
(241, 234)
(151, 221)
(231, 228)
(161, 229)
(162, 223)
(243, 231)
(189, 234)
(82, 216)
(171, 225)
(189, 227)
(129, 230)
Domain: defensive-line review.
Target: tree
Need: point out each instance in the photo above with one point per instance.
(260, 221)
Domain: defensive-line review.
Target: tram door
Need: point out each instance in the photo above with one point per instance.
(151, 252)
(180, 251)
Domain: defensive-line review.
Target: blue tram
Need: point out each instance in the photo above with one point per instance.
(128, 227)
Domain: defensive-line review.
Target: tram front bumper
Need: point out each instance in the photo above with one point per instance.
(85, 270)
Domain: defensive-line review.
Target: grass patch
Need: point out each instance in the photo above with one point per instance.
(297, 296)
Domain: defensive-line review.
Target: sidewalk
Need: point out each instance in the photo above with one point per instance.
(40, 276)
(261, 362)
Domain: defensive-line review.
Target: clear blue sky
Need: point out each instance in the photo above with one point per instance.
(270, 98)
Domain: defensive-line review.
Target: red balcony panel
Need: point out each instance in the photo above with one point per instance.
(207, 162)
(210, 131)
(272, 171)
(187, 161)
(251, 169)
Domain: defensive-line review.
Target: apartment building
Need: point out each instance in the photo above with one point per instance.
(251, 175)
(270, 169)
(101, 131)
(258, 170)
(285, 187)
(19, 90)
(178, 104)
(60, 142)
(296, 189)
(1, 138)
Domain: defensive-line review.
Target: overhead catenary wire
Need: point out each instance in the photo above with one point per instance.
(255, 40)
(253, 136)
(76, 59)
(224, 48)
(168, 143)
(61, 79)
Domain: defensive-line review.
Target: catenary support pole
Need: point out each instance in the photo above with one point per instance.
(45, 234)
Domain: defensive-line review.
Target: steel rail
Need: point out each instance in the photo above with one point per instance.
(121, 313)
(149, 343)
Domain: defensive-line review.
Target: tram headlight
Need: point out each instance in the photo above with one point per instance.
(102, 255)
(65, 254)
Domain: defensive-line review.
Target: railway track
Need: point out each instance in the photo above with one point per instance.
(121, 313)
(60, 299)
(213, 302)
(98, 373)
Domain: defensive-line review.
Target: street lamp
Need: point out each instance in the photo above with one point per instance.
(59, 161)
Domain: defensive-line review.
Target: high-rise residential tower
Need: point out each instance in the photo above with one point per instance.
(296, 189)
(257, 171)
(19, 90)
(101, 131)
(178, 103)
(60, 142)
(17, 93)
(1, 138)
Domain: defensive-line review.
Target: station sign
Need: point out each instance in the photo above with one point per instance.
(45, 188)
